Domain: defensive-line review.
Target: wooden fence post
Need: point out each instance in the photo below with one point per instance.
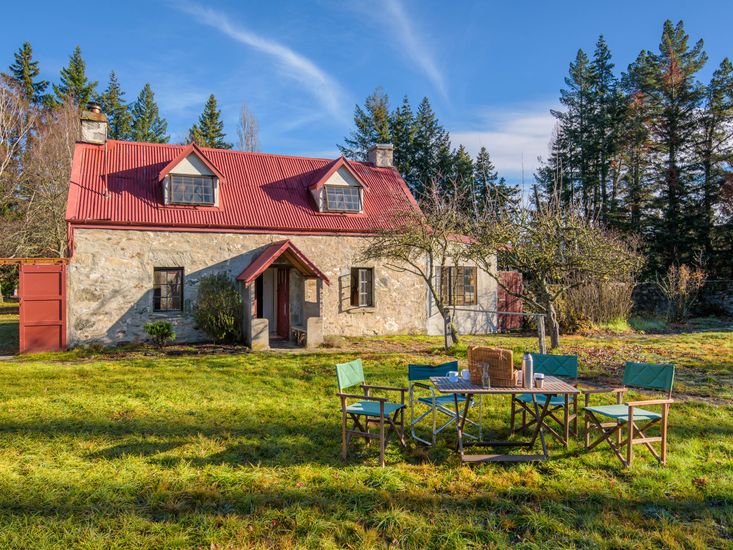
(541, 332)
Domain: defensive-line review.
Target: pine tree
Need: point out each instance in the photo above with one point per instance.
(114, 106)
(490, 190)
(461, 177)
(402, 129)
(431, 151)
(372, 126)
(674, 97)
(209, 130)
(74, 83)
(634, 155)
(575, 136)
(24, 72)
(715, 151)
(147, 126)
(606, 118)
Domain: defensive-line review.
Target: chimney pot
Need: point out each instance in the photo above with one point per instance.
(93, 124)
(381, 155)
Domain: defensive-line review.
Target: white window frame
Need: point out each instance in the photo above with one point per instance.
(342, 207)
(364, 286)
(214, 190)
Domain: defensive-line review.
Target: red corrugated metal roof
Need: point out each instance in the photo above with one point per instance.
(117, 185)
(195, 149)
(266, 258)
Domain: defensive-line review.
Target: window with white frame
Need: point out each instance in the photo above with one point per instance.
(458, 285)
(362, 287)
(340, 198)
(185, 189)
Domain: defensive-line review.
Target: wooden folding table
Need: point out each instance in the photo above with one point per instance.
(551, 387)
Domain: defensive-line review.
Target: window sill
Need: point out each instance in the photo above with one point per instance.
(363, 310)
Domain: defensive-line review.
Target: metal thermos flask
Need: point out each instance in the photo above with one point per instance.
(528, 370)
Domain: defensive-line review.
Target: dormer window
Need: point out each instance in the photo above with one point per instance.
(189, 189)
(342, 198)
(191, 179)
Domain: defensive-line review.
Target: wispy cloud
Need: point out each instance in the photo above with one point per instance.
(514, 136)
(415, 47)
(323, 87)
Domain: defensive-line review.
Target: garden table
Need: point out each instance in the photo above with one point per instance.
(552, 386)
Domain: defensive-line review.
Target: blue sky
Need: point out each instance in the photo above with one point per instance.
(491, 69)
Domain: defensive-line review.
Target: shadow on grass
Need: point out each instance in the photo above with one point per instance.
(276, 442)
(287, 507)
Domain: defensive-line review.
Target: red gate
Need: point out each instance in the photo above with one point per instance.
(512, 280)
(42, 292)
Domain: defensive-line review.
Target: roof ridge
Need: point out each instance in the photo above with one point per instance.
(229, 151)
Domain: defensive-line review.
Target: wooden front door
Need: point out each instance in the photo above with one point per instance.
(283, 302)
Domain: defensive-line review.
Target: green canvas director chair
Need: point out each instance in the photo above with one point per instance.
(644, 376)
(369, 410)
(560, 366)
(443, 404)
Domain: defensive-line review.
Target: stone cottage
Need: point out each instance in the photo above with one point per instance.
(147, 221)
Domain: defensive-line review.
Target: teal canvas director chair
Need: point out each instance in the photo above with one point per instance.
(435, 404)
(645, 376)
(560, 366)
(368, 410)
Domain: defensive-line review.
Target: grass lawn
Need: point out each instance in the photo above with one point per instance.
(8, 333)
(242, 450)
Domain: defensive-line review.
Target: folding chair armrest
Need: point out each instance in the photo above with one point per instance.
(383, 388)
(362, 397)
(649, 402)
(594, 390)
(424, 386)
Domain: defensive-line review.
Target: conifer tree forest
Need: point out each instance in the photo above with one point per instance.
(646, 150)
(39, 124)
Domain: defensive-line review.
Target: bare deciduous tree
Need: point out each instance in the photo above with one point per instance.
(248, 131)
(46, 183)
(424, 243)
(556, 249)
(17, 119)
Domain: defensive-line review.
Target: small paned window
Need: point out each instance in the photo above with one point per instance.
(342, 199)
(362, 287)
(191, 190)
(458, 286)
(168, 289)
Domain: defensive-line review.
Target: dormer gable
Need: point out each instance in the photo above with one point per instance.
(339, 189)
(191, 179)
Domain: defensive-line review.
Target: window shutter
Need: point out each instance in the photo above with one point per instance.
(354, 287)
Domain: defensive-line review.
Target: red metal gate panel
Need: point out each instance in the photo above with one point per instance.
(512, 280)
(42, 307)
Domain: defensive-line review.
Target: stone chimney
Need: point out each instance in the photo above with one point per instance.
(381, 155)
(93, 124)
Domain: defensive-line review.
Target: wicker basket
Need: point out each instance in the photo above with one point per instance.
(501, 366)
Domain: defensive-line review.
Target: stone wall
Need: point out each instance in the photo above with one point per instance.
(716, 298)
(110, 280)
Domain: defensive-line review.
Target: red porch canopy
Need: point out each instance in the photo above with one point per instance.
(270, 254)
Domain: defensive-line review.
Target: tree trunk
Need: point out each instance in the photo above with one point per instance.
(551, 317)
(448, 323)
(554, 328)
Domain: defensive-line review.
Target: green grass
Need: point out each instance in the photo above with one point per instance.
(8, 334)
(8, 307)
(241, 450)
